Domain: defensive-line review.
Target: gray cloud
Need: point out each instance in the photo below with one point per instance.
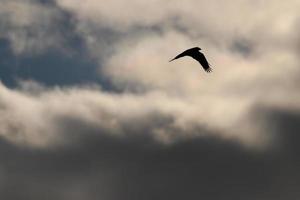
(31, 26)
(102, 166)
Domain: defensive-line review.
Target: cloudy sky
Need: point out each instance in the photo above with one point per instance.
(90, 107)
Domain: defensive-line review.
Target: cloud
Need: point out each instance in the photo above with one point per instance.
(30, 26)
(112, 168)
(216, 21)
(150, 96)
(162, 130)
(225, 100)
(40, 117)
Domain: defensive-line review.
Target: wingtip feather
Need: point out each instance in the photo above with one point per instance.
(209, 70)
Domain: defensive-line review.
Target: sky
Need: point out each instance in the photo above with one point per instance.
(90, 107)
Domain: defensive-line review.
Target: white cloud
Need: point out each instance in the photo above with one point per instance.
(51, 117)
(226, 97)
(264, 21)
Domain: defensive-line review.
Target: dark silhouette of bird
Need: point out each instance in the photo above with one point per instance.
(197, 55)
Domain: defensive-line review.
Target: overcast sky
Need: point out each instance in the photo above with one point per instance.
(90, 107)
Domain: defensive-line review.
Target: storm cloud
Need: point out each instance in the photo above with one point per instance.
(135, 168)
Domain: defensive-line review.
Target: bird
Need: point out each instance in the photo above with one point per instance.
(197, 55)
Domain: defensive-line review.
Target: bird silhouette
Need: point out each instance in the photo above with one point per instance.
(197, 55)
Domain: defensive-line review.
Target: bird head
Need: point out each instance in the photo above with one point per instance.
(198, 48)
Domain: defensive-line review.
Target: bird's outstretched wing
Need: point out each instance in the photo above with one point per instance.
(202, 60)
(179, 56)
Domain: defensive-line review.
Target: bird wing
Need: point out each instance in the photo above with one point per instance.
(202, 60)
(179, 55)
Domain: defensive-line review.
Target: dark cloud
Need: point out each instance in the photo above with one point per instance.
(107, 167)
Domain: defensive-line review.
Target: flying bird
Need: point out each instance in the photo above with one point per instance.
(197, 55)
